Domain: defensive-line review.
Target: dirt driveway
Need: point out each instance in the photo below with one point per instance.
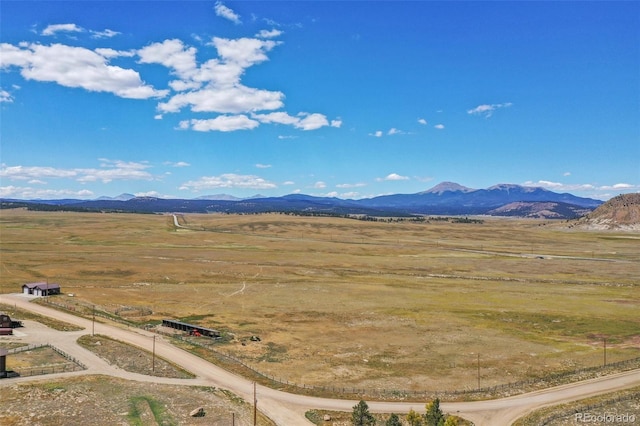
(284, 408)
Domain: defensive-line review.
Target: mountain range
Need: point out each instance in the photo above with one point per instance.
(446, 198)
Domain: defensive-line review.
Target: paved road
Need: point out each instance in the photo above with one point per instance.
(284, 408)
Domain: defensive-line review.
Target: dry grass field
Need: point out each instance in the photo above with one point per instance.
(336, 301)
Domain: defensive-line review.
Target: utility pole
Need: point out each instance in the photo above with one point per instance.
(255, 406)
(93, 323)
(478, 370)
(153, 359)
(605, 351)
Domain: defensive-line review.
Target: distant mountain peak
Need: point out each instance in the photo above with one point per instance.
(447, 186)
(121, 197)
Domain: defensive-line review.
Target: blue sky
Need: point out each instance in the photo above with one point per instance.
(347, 99)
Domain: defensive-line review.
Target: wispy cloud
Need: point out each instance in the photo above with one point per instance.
(177, 164)
(227, 13)
(5, 97)
(222, 123)
(422, 121)
(350, 185)
(227, 180)
(600, 191)
(439, 126)
(487, 110)
(64, 28)
(104, 34)
(28, 193)
(269, 33)
(263, 166)
(109, 171)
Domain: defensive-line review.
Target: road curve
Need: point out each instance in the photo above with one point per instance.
(288, 409)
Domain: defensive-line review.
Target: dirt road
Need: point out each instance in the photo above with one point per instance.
(284, 408)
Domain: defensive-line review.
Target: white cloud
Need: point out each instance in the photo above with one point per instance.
(228, 180)
(223, 92)
(350, 185)
(392, 177)
(5, 97)
(28, 193)
(422, 121)
(104, 34)
(112, 53)
(35, 172)
(154, 194)
(76, 67)
(377, 134)
(311, 121)
(232, 100)
(277, 117)
(269, 34)
(243, 51)
(222, 123)
(66, 28)
(320, 185)
(109, 170)
(172, 54)
(263, 166)
(439, 126)
(213, 86)
(566, 174)
(226, 13)
(394, 131)
(303, 120)
(487, 110)
(558, 186)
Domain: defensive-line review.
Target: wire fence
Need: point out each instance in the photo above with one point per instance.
(72, 364)
(511, 388)
(382, 393)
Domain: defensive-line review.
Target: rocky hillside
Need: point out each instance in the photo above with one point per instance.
(540, 210)
(619, 213)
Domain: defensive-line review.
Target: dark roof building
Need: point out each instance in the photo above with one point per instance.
(41, 289)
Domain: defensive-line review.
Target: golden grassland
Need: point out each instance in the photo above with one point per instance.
(395, 305)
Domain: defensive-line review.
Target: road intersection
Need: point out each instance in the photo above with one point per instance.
(284, 408)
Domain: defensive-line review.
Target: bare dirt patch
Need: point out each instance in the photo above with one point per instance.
(97, 400)
(132, 359)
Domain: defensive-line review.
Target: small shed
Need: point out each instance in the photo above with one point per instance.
(41, 289)
(5, 325)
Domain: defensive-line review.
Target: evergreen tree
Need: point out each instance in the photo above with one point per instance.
(414, 418)
(393, 420)
(434, 415)
(361, 415)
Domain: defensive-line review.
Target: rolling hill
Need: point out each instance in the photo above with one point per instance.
(446, 198)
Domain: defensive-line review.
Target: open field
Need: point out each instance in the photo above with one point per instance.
(341, 301)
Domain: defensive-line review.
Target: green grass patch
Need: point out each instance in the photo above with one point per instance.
(139, 405)
(551, 326)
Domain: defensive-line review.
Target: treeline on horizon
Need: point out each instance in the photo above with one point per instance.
(366, 218)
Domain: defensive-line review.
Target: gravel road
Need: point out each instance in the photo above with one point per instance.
(286, 409)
